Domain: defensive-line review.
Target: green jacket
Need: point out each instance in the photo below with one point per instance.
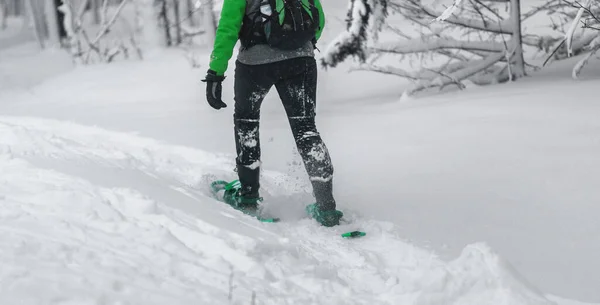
(228, 30)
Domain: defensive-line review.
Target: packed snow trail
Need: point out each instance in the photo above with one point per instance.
(92, 216)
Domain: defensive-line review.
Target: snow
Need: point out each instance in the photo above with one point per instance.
(15, 33)
(72, 240)
(486, 196)
(24, 66)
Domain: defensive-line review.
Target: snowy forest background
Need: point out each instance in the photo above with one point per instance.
(435, 44)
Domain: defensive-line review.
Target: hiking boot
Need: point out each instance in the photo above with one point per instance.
(327, 218)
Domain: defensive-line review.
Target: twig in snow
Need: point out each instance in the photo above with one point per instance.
(231, 285)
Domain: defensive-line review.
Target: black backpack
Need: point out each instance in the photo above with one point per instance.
(290, 25)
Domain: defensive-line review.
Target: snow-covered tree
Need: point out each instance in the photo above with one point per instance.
(51, 15)
(148, 11)
(36, 11)
(210, 24)
(353, 42)
(582, 34)
(86, 48)
(476, 40)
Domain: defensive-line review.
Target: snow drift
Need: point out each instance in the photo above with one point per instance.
(92, 216)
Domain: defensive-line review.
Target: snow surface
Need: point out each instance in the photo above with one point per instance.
(481, 197)
(15, 33)
(136, 231)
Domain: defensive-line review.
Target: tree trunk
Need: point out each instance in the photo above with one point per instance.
(52, 22)
(15, 8)
(60, 16)
(36, 23)
(177, 20)
(3, 14)
(150, 18)
(95, 6)
(165, 18)
(210, 25)
(517, 40)
(24, 13)
(190, 13)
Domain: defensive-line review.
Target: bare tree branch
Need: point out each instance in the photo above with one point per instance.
(419, 9)
(546, 6)
(106, 26)
(579, 66)
(390, 70)
(459, 75)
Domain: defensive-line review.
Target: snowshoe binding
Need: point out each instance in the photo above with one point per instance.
(232, 195)
(327, 218)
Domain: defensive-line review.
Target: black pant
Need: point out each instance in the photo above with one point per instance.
(296, 82)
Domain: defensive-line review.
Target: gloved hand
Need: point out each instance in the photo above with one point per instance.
(214, 89)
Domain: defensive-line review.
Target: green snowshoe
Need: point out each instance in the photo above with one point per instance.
(232, 195)
(326, 218)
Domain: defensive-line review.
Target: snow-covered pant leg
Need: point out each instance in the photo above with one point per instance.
(297, 88)
(251, 85)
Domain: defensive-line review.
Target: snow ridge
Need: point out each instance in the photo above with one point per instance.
(74, 240)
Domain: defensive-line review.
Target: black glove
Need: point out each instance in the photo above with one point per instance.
(213, 89)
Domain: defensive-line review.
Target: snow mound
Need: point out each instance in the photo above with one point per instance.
(92, 216)
(480, 276)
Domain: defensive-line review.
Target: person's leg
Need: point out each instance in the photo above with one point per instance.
(251, 85)
(297, 87)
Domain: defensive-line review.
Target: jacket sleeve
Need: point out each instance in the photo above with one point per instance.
(321, 19)
(226, 37)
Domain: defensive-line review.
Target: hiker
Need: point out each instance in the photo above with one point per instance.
(278, 39)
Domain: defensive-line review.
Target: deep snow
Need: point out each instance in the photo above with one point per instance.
(97, 217)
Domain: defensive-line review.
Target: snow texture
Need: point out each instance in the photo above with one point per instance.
(73, 241)
(248, 138)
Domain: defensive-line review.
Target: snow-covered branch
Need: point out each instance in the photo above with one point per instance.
(107, 24)
(423, 11)
(592, 43)
(352, 41)
(391, 70)
(449, 11)
(579, 66)
(417, 46)
(82, 48)
(592, 21)
(573, 27)
(582, 16)
(458, 76)
(475, 39)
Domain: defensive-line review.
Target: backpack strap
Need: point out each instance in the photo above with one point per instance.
(252, 25)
